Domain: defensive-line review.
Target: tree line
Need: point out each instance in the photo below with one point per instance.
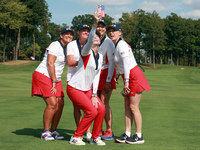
(26, 31)
(172, 40)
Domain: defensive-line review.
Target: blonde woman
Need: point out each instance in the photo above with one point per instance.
(134, 83)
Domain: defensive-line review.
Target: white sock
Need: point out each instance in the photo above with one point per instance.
(139, 134)
(89, 135)
(128, 133)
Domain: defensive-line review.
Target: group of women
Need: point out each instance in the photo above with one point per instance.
(91, 77)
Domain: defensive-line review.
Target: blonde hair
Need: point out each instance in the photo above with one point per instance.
(122, 36)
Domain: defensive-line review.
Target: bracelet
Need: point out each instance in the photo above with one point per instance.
(94, 95)
(54, 81)
(126, 80)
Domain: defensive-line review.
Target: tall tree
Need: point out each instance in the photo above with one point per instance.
(190, 40)
(197, 35)
(142, 20)
(174, 28)
(39, 16)
(154, 34)
(11, 17)
(128, 23)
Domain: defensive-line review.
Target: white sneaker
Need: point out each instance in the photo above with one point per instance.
(47, 136)
(56, 135)
(88, 137)
(97, 141)
(76, 141)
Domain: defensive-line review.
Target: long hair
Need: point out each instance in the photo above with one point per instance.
(122, 37)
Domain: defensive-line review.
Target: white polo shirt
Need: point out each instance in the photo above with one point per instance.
(56, 49)
(73, 48)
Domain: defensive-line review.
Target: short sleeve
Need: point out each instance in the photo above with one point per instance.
(52, 49)
(70, 48)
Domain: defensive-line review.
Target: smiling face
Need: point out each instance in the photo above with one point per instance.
(114, 35)
(84, 33)
(101, 28)
(66, 37)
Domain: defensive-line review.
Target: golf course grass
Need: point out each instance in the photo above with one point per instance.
(170, 111)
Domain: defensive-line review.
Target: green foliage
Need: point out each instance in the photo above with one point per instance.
(25, 14)
(155, 31)
(38, 51)
(12, 14)
(54, 30)
(173, 38)
(39, 12)
(143, 31)
(109, 20)
(77, 21)
(43, 39)
(174, 29)
(128, 24)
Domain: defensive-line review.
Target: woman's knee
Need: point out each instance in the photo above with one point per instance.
(52, 103)
(134, 108)
(53, 106)
(60, 102)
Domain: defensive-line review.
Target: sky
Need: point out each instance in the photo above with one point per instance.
(63, 11)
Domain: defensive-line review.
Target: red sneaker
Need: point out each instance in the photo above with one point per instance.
(108, 135)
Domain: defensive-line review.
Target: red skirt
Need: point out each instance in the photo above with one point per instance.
(103, 77)
(42, 85)
(137, 81)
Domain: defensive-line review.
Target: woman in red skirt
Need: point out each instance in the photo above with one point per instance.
(46, 83)
(134, 83)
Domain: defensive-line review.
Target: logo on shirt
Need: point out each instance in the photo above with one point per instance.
(122, 53)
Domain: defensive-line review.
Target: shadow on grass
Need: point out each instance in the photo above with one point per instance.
(37, 132)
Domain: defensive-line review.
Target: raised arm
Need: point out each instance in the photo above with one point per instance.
(88, 45)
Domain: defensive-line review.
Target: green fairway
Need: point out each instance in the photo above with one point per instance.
(170, 111)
